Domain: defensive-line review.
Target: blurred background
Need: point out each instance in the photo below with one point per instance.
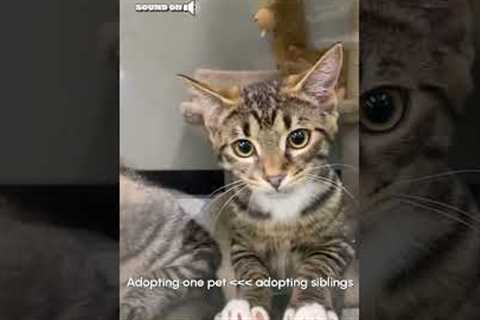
(59, 119)
(59, 160)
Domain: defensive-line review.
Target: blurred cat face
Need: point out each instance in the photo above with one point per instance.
(275, 135)
(409, 92)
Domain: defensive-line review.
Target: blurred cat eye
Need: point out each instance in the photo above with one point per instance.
(381, 109)
(298, 139)
(243, 148)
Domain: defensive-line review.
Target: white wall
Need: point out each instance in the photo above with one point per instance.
(154, 47)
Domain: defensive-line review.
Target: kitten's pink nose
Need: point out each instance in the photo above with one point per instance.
(276, 181)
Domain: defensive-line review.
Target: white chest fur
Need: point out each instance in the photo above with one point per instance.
(286, 207)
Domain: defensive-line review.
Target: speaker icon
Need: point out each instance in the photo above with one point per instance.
(190, 7)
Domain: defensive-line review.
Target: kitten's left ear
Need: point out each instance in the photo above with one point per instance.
(227, 96)
(206, 101)
(320, 81)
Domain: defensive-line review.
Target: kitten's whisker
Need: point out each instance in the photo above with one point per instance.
(438, 175)
(441, 204)
(209, 208)
(229, 191)
(333, 165)
(249, 203)
(330, 181)
(335, 184)
(219, 213)
(229, 200)
(225, 186)
(219, 197)
(443, 213)
(230, 196)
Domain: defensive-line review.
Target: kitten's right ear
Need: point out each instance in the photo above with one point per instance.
(320, 81)
(207, 100)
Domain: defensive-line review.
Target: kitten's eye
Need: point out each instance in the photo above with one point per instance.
(243, 148)
(381, 109)
(298, 139)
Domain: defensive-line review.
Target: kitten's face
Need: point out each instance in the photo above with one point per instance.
(274, 141)
(275, 135)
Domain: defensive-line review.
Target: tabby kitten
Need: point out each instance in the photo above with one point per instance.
(159, 241)
(420, 238)
(283, 216)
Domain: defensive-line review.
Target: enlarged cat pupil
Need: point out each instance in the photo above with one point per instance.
(298, 138)
(379, 106)
(243, 148)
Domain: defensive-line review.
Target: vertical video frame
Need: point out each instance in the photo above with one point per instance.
(239, 159)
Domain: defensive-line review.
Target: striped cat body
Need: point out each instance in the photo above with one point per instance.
(283, 214)
(160, 242)
(282, 248)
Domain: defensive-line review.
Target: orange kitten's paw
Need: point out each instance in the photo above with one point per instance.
(240, 310)
(313, 311)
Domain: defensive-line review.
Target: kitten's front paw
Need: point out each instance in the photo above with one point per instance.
(312, 311)
(240, 310)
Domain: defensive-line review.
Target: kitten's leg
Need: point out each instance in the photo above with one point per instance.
(315, 303)
(253, 302)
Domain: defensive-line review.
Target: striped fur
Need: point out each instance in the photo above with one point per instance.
(311, 247)
(159, 241)
(297, 229)
(420, 238)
